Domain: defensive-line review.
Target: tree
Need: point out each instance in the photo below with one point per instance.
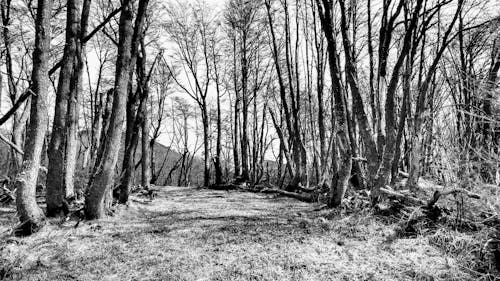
(192, 37)
(102, 182)
(30, 214)
(344, 163)
(63, 145)
(133, 107)
(20, 116)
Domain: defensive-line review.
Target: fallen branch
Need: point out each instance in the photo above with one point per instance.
(306, 189)
(438, 194)
(302, 197)
(431, 202)
(225, 186)
(400, 196)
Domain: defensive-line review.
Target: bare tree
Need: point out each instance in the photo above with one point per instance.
(30, 215)
(192, 37)
(102, 182)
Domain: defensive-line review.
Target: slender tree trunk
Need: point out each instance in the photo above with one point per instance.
(402, 118)
(218, 148)
(146, 155)
(244, 99)
(144, 118)
(206, 145)
(30, 215)
(236, 156)
(488, 136)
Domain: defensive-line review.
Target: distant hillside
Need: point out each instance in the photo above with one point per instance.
(162, 154)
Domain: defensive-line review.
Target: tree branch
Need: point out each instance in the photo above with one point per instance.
(18, 103)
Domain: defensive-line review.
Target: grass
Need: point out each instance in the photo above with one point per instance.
(190, 234)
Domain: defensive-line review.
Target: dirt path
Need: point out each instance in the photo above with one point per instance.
(189, 234)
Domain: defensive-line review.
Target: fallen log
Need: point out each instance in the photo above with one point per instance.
(438, 194)
(432, 201)
(302, 197)
(226, 186)
(401, 196)
(307, 189)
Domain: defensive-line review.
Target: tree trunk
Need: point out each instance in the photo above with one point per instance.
(103, 180)
(236, 156)
(146, 155)
(340, 182)
(244, 99)
(30, 215)
(218, 147)
(133, 124)
(206, 145)
(60, 170)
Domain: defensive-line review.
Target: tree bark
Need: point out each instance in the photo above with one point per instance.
(30, 214)
(146, 154)
(340, 181)
(244, 109)
(103, 180)
(63, 137)
(218, 146)
(206, 145)
(236, 156)
(132, 125)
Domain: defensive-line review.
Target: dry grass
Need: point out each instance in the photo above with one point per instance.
(189, 234)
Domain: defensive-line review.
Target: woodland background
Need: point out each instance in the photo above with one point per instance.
(318, 100)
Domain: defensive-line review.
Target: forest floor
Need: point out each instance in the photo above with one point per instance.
(199, 234)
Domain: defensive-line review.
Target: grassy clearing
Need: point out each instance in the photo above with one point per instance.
(189, 234)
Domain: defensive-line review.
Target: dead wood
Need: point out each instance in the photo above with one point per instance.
(307, 189)
(302, 197)
(403, 195)
(226, 186)
(438, 194)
